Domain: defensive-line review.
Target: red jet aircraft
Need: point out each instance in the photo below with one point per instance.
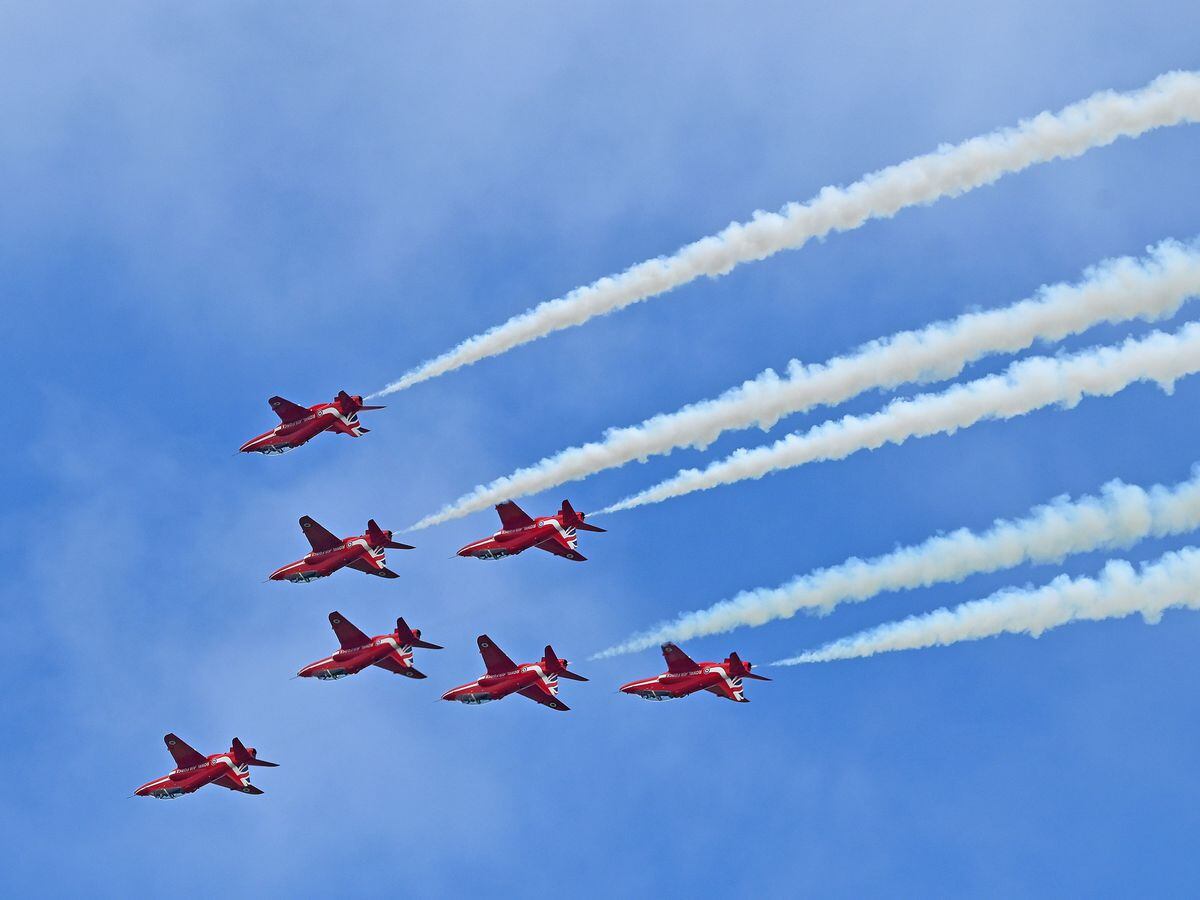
(364, 552)
(686, 676)
(518, 532)
(538, 681)
(193, 771)
(299, 425)
(393, 652)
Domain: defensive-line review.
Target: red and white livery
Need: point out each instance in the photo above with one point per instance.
(518, 532)
(537, 681)
(363, 552)
(686, 676)
(193, 770)
(393, 652)
(299, 425)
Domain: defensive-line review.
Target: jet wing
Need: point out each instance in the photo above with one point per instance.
(287, 410)
(185, 756)
(512, 516)
(539, 693)
(348, 635)
(392, 666)
(367, 564)
(495, 659)
(317, 535)
(722, 689)
(338, 428)
(677, 660)
(228, 781)
(557, 544)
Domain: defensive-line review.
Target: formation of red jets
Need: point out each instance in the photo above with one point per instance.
(393, 652)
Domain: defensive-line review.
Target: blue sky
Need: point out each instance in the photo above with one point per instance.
(207, 205)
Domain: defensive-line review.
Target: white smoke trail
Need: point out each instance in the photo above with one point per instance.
(1170, 99)
(1121, 516)
(1027, 385)
(1173, 580)
(1115, 290)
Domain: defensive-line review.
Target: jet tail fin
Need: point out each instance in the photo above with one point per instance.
(739, 669)
(574, 519)
(380, 538)
(247, 756)
(411, 637)
(352, 403)
(552, 665)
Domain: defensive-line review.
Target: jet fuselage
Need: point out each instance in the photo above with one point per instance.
(499, 686)
(510, 542)
(322, 563)
(673, 685)
(182, 781)
(289, 435)
(298, 424)
(353, 660)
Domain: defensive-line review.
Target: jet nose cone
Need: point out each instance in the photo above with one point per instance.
(254, 444)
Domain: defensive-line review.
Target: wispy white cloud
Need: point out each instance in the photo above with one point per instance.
(1115, 290)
